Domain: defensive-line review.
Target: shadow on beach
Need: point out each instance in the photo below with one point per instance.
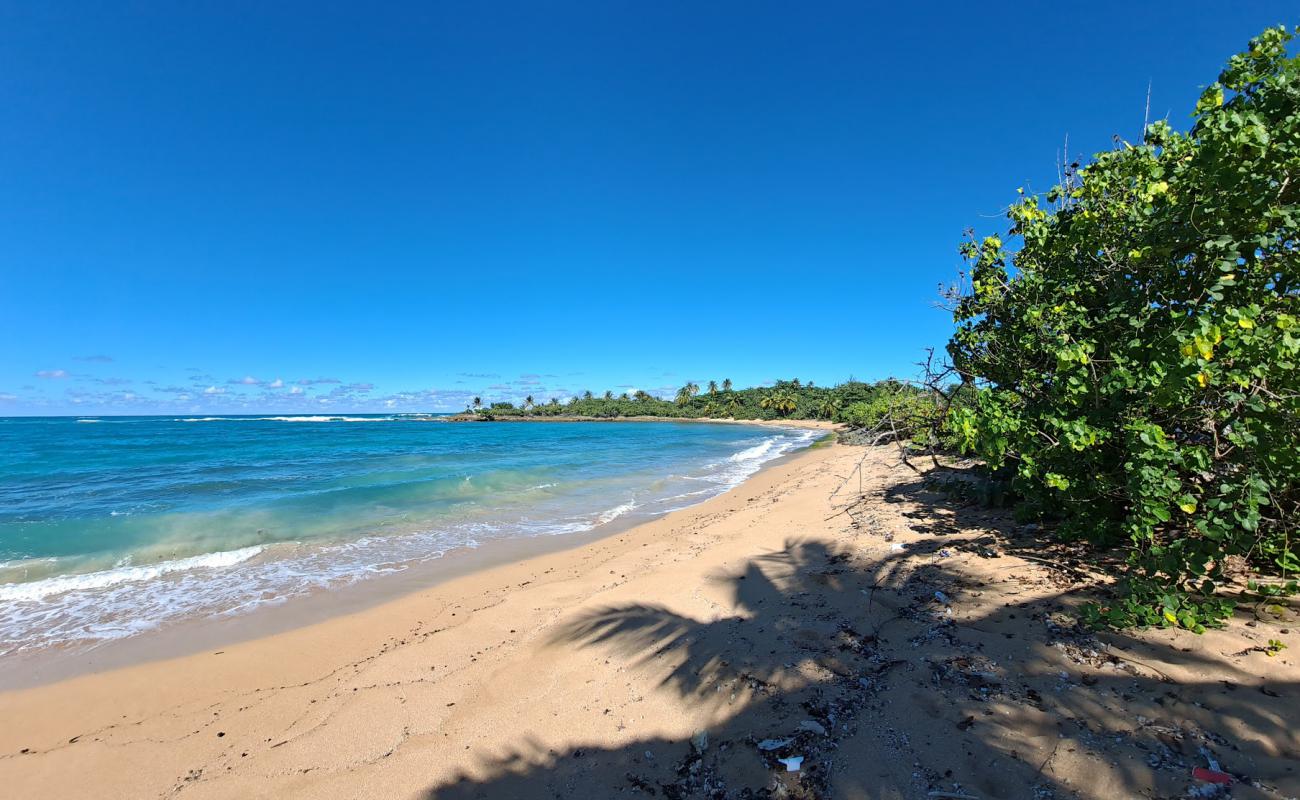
(915, 674)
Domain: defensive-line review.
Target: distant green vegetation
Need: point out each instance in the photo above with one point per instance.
(1136, 347)
(856, 403)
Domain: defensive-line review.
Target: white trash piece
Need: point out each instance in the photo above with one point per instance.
(792, 763)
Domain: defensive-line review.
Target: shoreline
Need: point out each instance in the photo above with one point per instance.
(894, 642)
(788, 423)
(19, 671)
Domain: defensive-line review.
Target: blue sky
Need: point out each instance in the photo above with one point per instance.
(226, 207)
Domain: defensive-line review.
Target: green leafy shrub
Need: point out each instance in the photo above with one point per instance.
(893, 403)
(1137, 354)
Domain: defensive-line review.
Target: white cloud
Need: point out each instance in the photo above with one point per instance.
(5, 397)
(214, 390)
(276, 384)
(296, 390)
(52, 373)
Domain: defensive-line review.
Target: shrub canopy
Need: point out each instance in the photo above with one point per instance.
(1136, 343)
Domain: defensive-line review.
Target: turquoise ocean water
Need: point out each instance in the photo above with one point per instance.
(111, 527)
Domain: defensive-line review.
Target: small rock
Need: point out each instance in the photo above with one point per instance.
(814, 726)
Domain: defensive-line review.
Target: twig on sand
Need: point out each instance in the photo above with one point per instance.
(1049, 758)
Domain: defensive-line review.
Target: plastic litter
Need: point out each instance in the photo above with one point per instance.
(1211, 775)
(792, 763)
(774, 744)
(700, 741)
(897, 547)
(1209, 759)
(942, 598)
(945, 553)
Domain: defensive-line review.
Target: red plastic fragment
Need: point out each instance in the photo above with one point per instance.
(1211, 775)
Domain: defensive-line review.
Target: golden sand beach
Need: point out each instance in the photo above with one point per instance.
(790, 638)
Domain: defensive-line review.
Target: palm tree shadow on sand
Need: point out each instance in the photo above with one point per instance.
(886, 689)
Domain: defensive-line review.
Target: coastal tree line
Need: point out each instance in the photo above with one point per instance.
(856, 403)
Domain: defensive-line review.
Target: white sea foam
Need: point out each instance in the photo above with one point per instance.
(87, 420)
(757, 451)
(742, 464)
(90, 609)
(327, 419)
(305, 418)
(39, 590)
(696, 493)
(617, 511)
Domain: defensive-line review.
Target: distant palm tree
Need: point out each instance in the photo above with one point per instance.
(642, 396)
(528, 402)
(609, 395)
(780, 401)
(555, 401)
(733, 403)
(713, 387)
(623, 396)
(685, 393)
(587, 395)
(478, 402)
(726, 384)
(829, 407)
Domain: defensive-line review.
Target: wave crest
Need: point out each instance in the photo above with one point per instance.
(47, 587)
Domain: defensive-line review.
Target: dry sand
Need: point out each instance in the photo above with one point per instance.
(790, 617)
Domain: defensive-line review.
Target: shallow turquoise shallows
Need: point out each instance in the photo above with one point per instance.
(113, 526)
